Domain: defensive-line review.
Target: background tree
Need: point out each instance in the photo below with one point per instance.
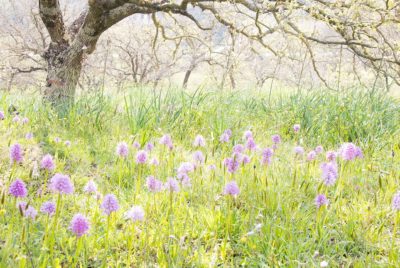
(363, 34)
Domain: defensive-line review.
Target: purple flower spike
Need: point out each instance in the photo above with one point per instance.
(225, 137)
(90, 187)
(232, 164)
(16, 154)
(48, 208)
(329, 173)
(238, 148)
(153, 184)
(231, 188)
(61, 184)
(30, 212)
(48, 163)
(18, 189)
(330, 156)
(350, 152)
(251, 144)
(199, 141)
(276, 139)
(185, 167)
(141, 157)
(110, 204)
(149, 146)
(311, 156)
(29, 135)
(246, 159)
(267, 156)
(185, 180)
(122, 149)
(22, 205)
(16, 119)
(154, 161)
(167, 141)
(172, 185)
(247, 134)
(299, 150)
(136, 145)
(319, 149)
(396, 201)
(136, 213)
(198, 157)
(359, 153)
(321, 200)
(79, 225)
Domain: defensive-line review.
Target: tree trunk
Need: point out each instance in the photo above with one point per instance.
(186, 79)
(233, 82)
(63, 70)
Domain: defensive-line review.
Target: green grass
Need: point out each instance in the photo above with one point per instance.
(199, 226)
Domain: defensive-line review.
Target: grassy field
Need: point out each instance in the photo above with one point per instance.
(274, 219)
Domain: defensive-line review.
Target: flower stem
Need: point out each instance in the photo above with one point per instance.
(77, 250)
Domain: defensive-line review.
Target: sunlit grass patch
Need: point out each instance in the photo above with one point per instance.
(201, 179)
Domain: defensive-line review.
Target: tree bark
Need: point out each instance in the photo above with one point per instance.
(63, 71)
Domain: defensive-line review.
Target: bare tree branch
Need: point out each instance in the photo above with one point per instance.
(51, 15)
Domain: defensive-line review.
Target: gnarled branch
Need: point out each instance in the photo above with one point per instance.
(51, 15)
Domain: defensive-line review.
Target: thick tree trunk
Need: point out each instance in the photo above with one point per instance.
(64, 68)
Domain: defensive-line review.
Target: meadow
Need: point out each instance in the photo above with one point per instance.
(173, 178)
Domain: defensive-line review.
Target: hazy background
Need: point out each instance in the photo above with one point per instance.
(129, 53)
